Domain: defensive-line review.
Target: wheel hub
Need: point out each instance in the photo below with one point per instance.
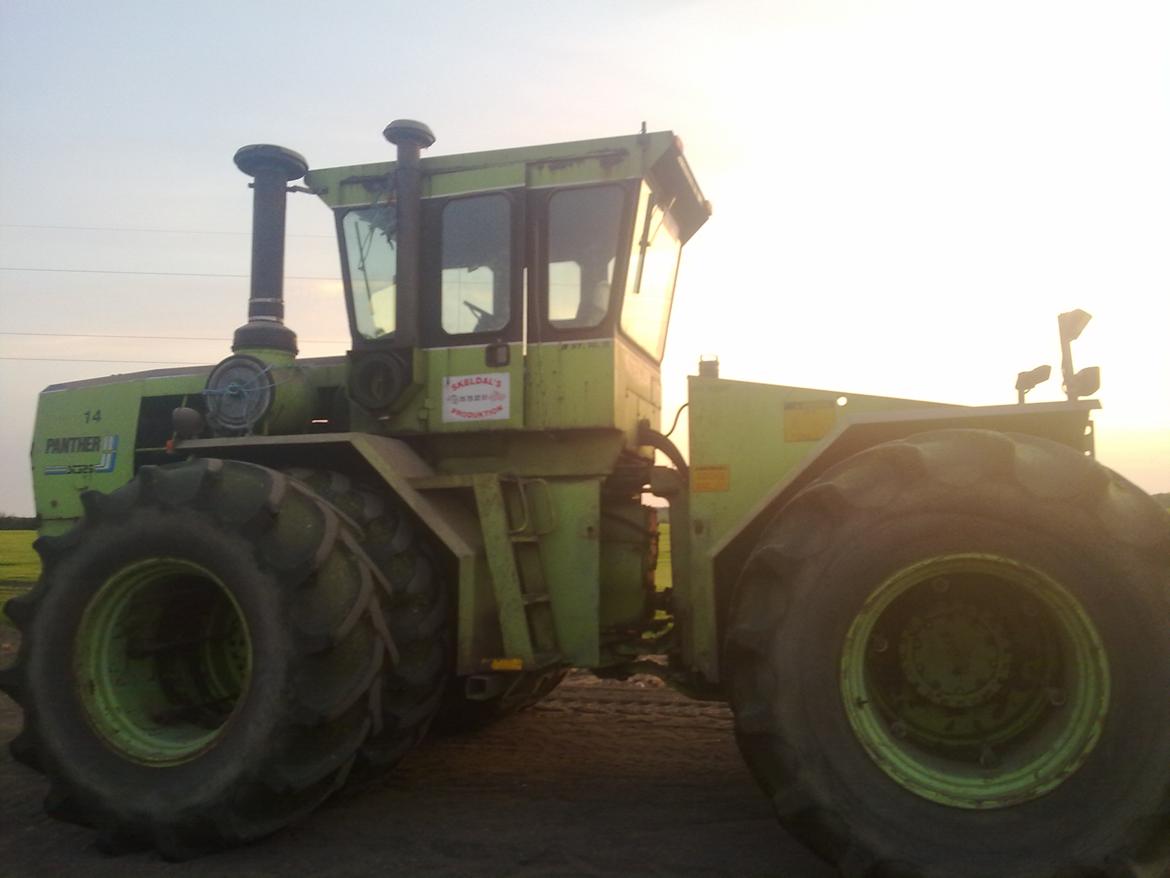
(957, 655)
(996, 691)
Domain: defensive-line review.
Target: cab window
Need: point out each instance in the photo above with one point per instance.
(653, 270)
(584, 229)
(476, 254)
(371, 262)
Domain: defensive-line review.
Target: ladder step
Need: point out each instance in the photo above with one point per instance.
(537, 598)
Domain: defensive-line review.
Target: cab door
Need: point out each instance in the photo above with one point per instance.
(579, 253)
(473, 311)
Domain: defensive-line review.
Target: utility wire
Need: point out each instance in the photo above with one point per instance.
(155, 273)
(148, 231)
(83, 360)
(160, 337)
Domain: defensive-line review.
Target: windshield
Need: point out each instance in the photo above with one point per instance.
(654, 266)
(371, 256)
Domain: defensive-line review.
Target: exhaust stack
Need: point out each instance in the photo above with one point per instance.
(272, 168)
(411, 138)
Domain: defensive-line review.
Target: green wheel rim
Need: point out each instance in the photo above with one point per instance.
(975, 681)
(163, 660)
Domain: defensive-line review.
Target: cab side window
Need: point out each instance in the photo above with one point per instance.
(584, 227)
(476, 264)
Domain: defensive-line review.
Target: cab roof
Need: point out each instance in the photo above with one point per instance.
(656, 157)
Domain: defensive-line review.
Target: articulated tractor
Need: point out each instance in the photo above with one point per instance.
(944, 631)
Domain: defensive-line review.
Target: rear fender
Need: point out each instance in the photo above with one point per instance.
(1065, 422)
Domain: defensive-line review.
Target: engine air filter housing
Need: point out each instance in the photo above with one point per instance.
(239, 393)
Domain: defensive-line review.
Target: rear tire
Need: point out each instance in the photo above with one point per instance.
(201, 659)
(950, 656)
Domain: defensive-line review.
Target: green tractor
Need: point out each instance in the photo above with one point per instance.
(944, 631)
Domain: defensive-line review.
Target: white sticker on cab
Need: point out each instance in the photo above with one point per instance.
(484, 397)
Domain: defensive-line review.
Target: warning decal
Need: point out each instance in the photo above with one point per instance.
(710, 478)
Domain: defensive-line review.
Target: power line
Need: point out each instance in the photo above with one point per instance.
(83, 360)
(146, 231)
(154, 273)
(159, 337)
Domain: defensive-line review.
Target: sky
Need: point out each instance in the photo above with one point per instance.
(905, 194)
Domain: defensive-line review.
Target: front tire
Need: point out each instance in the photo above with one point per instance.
(201, 659)
(950, 656)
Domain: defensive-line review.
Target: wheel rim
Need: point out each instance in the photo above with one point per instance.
(163, 660)
(975, 681)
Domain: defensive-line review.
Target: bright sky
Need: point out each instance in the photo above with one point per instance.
(906, 193)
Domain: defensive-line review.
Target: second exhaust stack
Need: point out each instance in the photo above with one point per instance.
(411, 138)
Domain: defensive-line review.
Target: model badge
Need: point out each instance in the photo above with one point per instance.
(106, 447)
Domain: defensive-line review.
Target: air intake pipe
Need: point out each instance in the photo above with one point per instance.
(272, 168)
(411, 138)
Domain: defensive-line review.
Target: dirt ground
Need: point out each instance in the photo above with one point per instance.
(600, 779)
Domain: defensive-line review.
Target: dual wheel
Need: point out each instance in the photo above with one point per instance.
(950, 657)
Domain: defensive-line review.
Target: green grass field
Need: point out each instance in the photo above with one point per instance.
(18, 561)
(662, 571)
(19, 564)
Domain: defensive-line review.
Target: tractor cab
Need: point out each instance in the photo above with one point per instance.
(513, 289)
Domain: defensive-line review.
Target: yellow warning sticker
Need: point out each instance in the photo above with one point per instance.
(710, 478)
(809, 421)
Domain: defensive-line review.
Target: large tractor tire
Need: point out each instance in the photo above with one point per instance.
(417, 609)
(202, 659)
(950, 658)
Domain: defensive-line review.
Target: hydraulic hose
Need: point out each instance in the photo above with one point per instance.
(651, 437)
